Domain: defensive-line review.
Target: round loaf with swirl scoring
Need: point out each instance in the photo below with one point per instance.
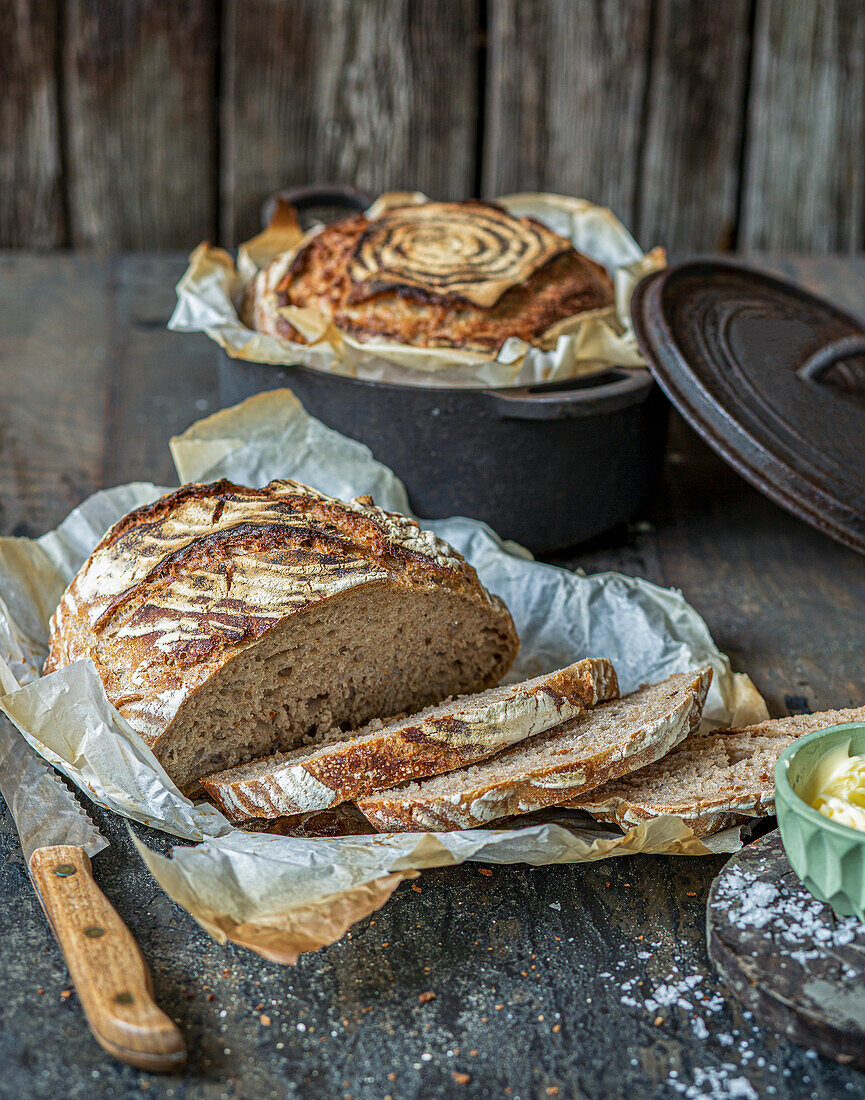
(464, 275)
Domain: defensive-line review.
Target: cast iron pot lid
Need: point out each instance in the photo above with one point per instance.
(771, 377)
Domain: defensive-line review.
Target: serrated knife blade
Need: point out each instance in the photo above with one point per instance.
(43, 808)
(109, 972)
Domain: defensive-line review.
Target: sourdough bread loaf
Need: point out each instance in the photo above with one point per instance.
(465, 275)
(608, 741)
(436, 740)
(711, 781)
(228, 622)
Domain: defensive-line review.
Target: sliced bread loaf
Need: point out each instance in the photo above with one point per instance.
(229, 622)
(436, 740)
(711, 781)
(611, 740)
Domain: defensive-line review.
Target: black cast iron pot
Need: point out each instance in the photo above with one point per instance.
(549, 465)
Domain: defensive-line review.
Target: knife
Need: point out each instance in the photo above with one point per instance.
(107, 968)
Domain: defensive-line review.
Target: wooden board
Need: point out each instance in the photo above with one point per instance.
(381, 94)
(95, 385)
(146, 407)
(139, 88)
(31, 204)
(52, 416)
(788, 958)
(804, 184)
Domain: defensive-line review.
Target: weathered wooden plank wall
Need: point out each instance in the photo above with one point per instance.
(566, 84)
(31, 212)
(378, 94)
(138, 94)
(808, 94)
(705, 124)
(694, 123)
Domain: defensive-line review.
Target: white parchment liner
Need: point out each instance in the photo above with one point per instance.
(279, 895)
(213, 286)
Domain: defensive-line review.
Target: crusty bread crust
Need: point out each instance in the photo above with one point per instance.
(449, 736)
(180, 588)
(392, 278)
(470, 251)
(653, 792)
(477, 796)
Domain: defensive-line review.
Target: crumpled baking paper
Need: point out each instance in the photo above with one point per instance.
(211, 290)
(282, 895)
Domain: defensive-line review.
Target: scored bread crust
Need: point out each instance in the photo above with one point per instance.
(472, 251)
(652, 792)
(179, 591)
(445, 737)
(540, 772)
(374, 285)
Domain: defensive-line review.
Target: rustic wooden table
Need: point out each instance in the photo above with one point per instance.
(586, 981)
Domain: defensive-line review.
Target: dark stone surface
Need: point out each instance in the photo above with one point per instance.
(535, 970)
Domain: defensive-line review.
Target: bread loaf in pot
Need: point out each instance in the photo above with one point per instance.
(228, 622)
(462, 275)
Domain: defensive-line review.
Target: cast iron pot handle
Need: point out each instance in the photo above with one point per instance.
(625, 387)
(325, 194)
(817, 365)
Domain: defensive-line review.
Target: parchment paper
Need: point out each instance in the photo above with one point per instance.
(280, 895)
(209, 294)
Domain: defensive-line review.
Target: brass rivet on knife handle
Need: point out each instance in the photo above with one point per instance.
(110, 975)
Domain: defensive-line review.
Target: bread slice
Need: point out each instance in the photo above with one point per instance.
(711, 781)
(611, 740)
(229, 622)
(436, 740)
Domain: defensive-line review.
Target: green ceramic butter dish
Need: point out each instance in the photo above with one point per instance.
(827, 856)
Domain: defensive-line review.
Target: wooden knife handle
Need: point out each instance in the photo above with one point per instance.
(109, 972)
